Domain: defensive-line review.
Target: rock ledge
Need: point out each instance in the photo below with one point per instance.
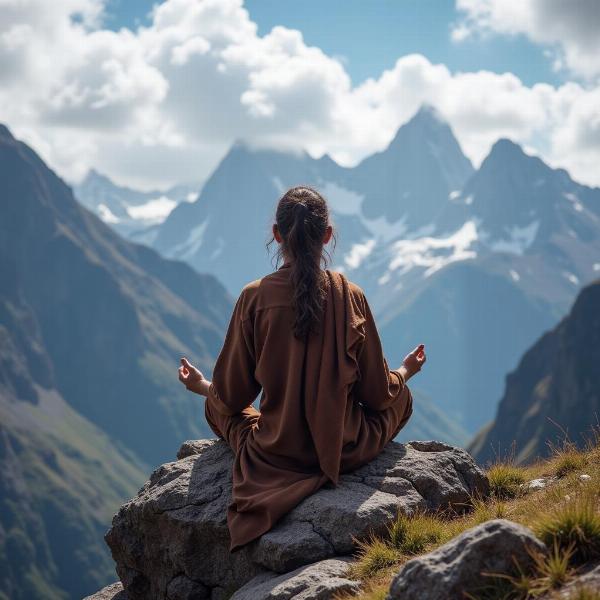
(171, 541)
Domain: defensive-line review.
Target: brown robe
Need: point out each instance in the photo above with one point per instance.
(327, 405)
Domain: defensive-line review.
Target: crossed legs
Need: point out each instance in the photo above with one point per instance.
(233, 429)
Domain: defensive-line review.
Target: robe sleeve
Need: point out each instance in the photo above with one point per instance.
(234, 387)
(378, 386)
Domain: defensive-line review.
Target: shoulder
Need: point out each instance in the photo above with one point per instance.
(252, 287)
(246, 300)
(353, 288)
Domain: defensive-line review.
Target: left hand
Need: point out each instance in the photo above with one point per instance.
(191, 377)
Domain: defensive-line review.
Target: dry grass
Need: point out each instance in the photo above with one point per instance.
(565, 515)
(506, 480)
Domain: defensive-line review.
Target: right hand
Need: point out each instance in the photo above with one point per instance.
(414, 361)
(190, 376)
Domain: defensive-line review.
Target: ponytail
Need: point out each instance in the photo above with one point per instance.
(302, 218)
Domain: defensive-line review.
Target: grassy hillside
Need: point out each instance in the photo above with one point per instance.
(62, 480)
(566, 512)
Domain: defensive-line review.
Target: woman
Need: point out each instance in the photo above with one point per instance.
(329, 402)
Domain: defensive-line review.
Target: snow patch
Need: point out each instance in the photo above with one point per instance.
(574, 200)
(341, 200)
(382, 229)
(571, 277)
(384, 278)
(154, 211)
(106, 214)
(596, 267)
(454, 194)
(469, 199)
(434, 253)
(358, 253)
(515, 276)
(192, 244)
(218, 249)
(192, 197)
(519, 239)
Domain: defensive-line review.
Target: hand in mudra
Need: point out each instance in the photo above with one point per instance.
(192, 378)
(414, 361)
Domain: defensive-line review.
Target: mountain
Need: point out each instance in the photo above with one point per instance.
(224, 232)
(498, 267)
(554, 390)
(412, 178)
(133, 213)
(476, 264)
(91, 330)
(226, 229)
(89, 289)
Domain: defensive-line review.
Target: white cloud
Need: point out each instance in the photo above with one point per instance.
(571, 28)
(162, 104)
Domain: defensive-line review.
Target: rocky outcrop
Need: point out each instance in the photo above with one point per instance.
(554, 391)
(171, 541)
(114, 591)
(317, 581)
(465, 563)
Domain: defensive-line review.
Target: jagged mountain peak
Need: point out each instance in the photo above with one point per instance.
(426, 125)
(505, 147)
(248, 147)
(94, 176)
(422, 165)
(428, 112)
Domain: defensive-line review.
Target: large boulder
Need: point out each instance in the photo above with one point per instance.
(171, 540)
(465, 563)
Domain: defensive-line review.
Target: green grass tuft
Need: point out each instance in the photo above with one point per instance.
(486, 511)
(413, 534)
(574, 523)
(374, 555)
(569, 461)
(506, 480)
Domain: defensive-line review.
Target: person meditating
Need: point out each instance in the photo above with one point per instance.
(306, 337)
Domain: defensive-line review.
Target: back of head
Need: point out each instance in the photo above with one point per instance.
(302, 218)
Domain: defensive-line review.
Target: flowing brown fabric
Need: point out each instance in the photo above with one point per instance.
(328, 405)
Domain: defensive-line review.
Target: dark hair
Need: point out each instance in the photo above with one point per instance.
(302, 217)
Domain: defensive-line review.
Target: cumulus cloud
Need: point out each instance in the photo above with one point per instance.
(570, 28)
(162, 104)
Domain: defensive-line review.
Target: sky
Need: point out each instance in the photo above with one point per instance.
(154, 94)
(369, 35)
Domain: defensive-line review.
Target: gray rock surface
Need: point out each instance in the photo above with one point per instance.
(317, 581)
(459, 566)
(114, 591)
(171, 540)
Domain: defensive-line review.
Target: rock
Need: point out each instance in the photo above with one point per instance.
(175, 529)
(585, 477)
(539, 484)
(114, 591)
(458, 566)
(318, 581)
